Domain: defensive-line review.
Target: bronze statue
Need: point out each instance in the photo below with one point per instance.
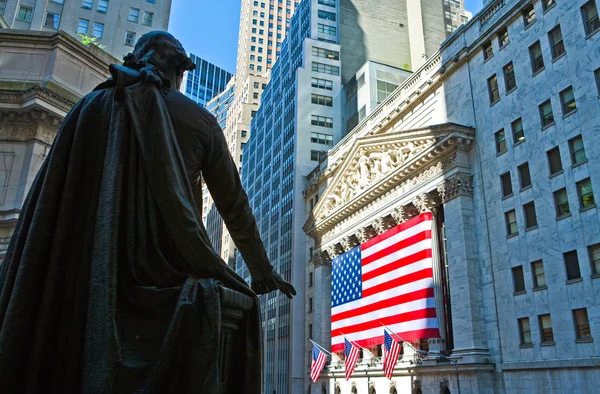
(110, 283)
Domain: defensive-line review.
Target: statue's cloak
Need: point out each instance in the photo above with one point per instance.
(110, 281)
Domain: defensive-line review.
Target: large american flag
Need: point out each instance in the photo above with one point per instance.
(390, 354)
(387, 280)
(351, 352)
(318, 362)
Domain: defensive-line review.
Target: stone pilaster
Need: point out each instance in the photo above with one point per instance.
(470, 341)
(430, 202)
(322, 300)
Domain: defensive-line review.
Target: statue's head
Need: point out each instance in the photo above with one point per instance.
(161, 50)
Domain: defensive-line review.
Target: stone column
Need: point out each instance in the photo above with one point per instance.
(431, 202)
(464, 274)
(321, 302)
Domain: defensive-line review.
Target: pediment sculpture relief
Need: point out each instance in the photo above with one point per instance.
(373, 164)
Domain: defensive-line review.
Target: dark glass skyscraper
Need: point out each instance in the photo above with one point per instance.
(205, 82)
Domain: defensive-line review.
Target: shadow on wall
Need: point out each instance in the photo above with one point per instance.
(351, 36)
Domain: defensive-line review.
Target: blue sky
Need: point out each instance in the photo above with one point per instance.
(209, 28)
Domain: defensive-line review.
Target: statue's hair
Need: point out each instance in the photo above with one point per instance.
(160, 50)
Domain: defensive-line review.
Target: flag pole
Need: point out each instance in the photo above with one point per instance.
(321, 348)
(408, 343)
(351, 341)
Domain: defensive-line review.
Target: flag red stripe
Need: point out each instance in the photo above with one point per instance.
(407, 336)
(394, 301)
(389, 320)
(393, 265)
(415, 276)
(405, 243)
(390, 233)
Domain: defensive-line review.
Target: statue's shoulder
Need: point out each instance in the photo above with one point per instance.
(182, 105)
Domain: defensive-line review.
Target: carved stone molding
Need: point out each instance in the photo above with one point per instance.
(459, 185)
(320, 259)
(349, 242)
(333, 251)
(26, 126)
(381, 225)
(398, 215)
(427, 202)
(24, 96)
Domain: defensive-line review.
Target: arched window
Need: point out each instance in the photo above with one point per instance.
(393, 390)
(338, 390)
(372, 390)
(354, 390)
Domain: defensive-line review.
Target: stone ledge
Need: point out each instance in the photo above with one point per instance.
(552, 364)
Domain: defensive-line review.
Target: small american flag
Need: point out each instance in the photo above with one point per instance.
(351, 353)
(318, 362)
(391, 351)
(387, 280)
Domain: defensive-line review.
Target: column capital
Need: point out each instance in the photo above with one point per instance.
(427, 202)
(320, 259)
(349, 242)
(333, 251)
(460, 184)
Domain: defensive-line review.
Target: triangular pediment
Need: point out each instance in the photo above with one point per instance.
(376, 163)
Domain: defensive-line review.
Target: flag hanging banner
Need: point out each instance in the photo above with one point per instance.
(318, 362)
(390, 354)
(387, 280)
(352, 352)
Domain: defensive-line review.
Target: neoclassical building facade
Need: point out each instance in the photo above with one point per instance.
(497, 136)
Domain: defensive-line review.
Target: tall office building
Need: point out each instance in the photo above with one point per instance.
(205, 82)
(496, 137)
(301, 116)
(117, 24)
(263, 27)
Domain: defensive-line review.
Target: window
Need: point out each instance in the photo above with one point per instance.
(547, 4)
(509, 77)
(524, 331)
(597, 76)
(87, 4)
(326, 53)
(25, 14)
(322, 84)
(511, 223)
(319, 138)
(326, 15)
(524, 175)
(537, 60)
(151, 1)
(517, 130)
(134, 15)
(244, 133)
(539, 276)
(325, 68)
(594, 252)
(546, 115)
(52, 20)
(507, 190)
(322, 121)
(329, 3)
(528, 15)
(577, 150)
(561, 200)
(148, 18)
(589, 12)
(586, 194)
(546, 334)
(83, 26)
(488, 51)
(102, 6)
(572, 265)
(530, 216)
(493, 90)
(98, 30)
(255, 95)
(310, 277)
(567, 100)
(321, 100)
(317, 155)
(310, 305)
(500, 141)
(518, 279)
(503, 37)
(130, 38)
(582, 324)
(326, 29)
(556, 42)
(554, 161)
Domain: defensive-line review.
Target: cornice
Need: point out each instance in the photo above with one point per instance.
(36, 92)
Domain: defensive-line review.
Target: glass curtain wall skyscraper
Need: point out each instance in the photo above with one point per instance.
(205, 82)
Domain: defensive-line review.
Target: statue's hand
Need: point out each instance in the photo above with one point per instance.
(271, 282)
